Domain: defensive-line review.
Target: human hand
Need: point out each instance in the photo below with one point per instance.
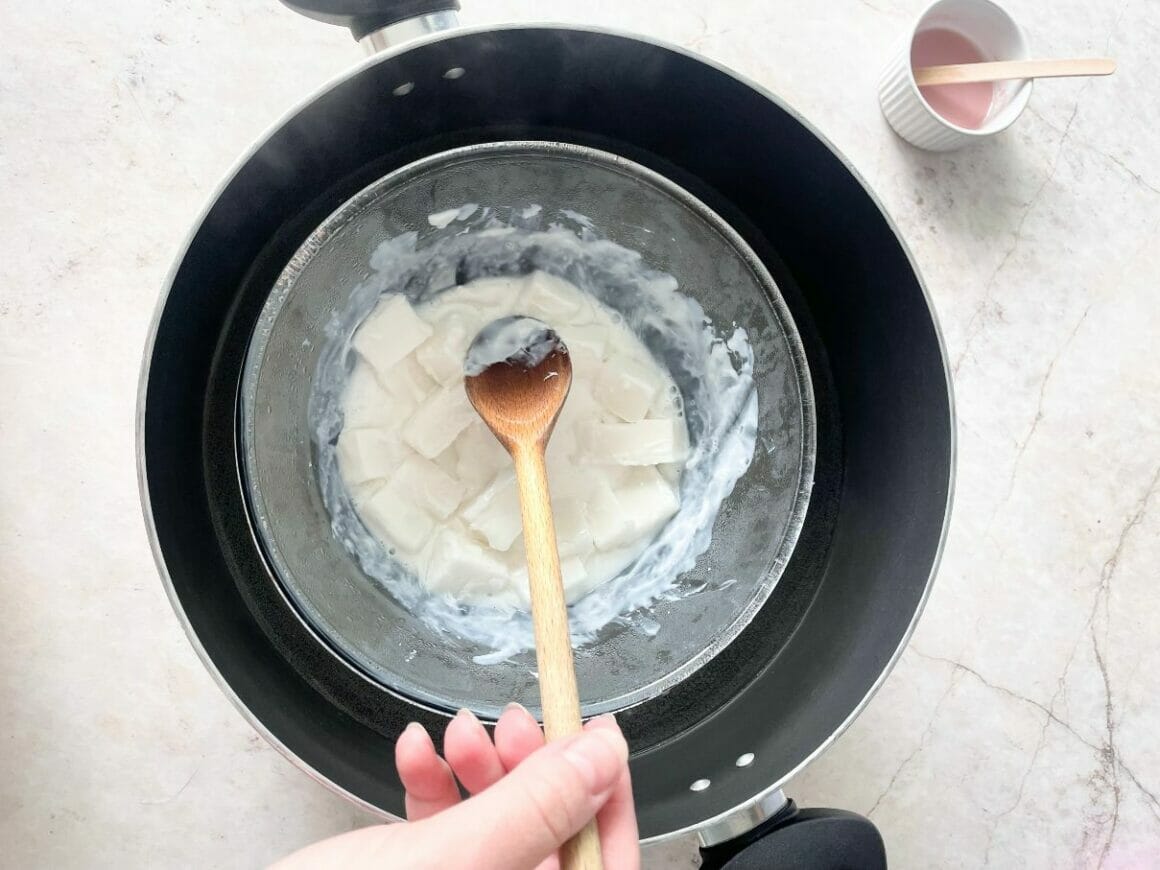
(527, 799)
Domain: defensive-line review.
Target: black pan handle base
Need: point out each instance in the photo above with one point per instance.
(814, 839)
(367, 16)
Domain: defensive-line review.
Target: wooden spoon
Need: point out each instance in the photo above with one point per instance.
(518, 376)
(1001, 70)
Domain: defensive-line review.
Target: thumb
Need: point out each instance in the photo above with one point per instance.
(535, 809)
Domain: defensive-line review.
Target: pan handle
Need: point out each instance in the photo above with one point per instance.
(370, 18)
(813, 839)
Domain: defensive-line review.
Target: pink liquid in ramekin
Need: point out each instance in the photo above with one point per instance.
(963, 105)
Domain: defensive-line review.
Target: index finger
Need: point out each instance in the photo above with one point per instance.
(517, 735)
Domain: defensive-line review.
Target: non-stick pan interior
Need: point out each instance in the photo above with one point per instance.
(856, 580)
(516, 199)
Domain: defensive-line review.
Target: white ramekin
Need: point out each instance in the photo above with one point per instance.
(997, 36)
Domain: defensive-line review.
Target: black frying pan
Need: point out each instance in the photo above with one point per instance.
(848, 599)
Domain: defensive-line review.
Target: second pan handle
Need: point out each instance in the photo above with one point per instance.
(813, 839)
(365, 17)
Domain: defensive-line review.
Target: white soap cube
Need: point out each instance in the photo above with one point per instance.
(573, 572)
(494, 293)
(448, 460)
(444, 309)
(479, 456)
(586, 343)
(438, 421)
(575, 575)
(581, 586)
(626, 387)
(369, 454)
(407, 382)
(613, 475)
(396, 522)
(666, 404)
(604, 565)
(567, 479)
(494, 514)
(520, 588)
(648, 501)
(442, 355)
(458, 566)
(563, 443)
(391, 332)
(553, 300)
(440, 360)
(671, 471)
(579, 408)
(647, 442)
(365, 404)
(361, 492)
(425, 483)
(609, 526)
(573, 536)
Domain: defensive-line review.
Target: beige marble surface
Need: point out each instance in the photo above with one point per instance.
(1020, 728)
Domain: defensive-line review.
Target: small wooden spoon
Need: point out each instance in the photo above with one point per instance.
(518, 376)
(1001, 70)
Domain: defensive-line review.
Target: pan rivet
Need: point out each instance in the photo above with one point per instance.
(456, 72)
(699, 785)
(744, 760)
(404, 89)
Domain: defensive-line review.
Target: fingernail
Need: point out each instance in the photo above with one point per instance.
(466, 714)
(415, 726)
(516, 705)
(598, 756)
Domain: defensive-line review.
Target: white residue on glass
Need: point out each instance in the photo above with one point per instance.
(443, 218)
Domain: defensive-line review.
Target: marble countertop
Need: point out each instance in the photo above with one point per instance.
(1019, 728)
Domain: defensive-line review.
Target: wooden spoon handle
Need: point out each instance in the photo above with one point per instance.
(558, 694)
(994, 71)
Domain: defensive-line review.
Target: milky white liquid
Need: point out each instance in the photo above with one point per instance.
(711, 364)
(433, 484)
